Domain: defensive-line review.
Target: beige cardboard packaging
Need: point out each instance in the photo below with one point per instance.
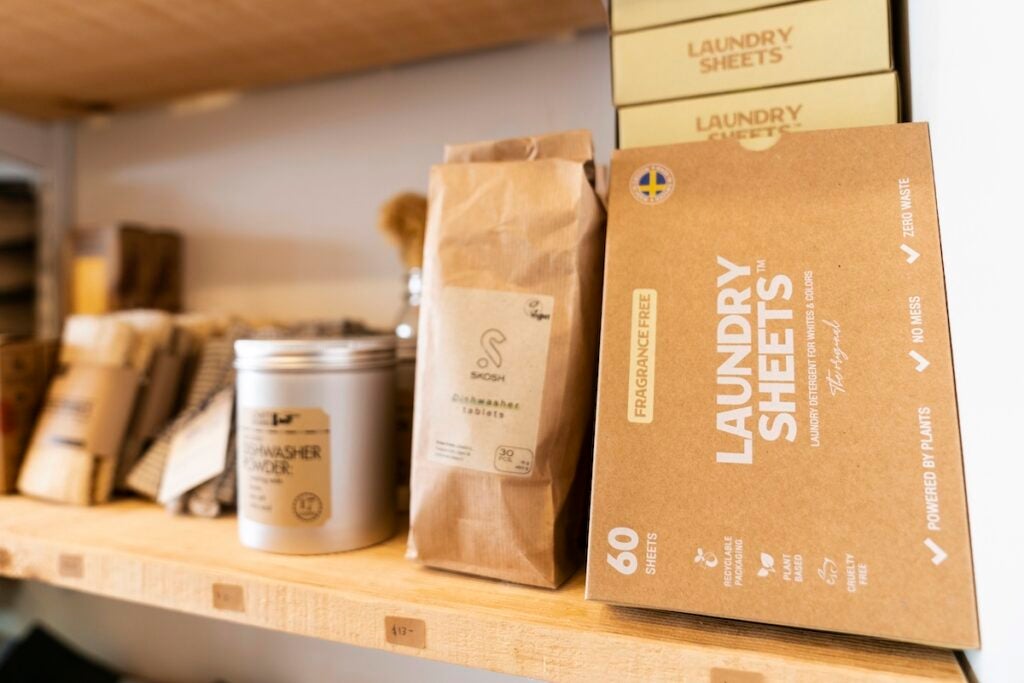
(630, 15)
(806, 41)
(507, 356)
(871, 100)
(126, 267)
(777, 435)
(25, 369)
(72, 456)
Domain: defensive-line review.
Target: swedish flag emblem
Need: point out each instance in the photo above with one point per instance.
(652, 184)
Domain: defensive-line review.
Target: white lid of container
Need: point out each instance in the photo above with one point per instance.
(344, 353)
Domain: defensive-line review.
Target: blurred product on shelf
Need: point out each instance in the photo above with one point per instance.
(315, 432)
(403, 220)
(198, 445)
(198, 457)
(210, 372)
(508, 343)
(777, 423)
(17, 270)
(804, 41)
(159, 390)
(124, 267)
(25, 369)
(213, 374)
(18, 230)
(103, 362)
(872, 100)
(630, 15)
(17, 213)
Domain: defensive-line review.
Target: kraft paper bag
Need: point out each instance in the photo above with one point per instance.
(508, 341)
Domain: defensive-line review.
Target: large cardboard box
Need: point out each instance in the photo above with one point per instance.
(630, 15)
(25, 369)
(806, 41)
(872, 100)
(777, 434)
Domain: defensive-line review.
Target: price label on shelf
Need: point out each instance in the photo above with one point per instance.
(70, 566)
(228, 596)
(735, 676)
(404, 631)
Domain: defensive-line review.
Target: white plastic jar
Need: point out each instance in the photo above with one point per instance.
(315, 443)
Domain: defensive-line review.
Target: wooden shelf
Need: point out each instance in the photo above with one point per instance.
(66, 57)
(134, 551)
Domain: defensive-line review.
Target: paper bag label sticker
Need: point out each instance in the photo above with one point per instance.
(284, 466)
(491, 361)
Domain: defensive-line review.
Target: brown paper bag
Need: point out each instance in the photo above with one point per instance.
(507, 348)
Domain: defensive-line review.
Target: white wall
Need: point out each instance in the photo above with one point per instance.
(277, 192)
(966, 61)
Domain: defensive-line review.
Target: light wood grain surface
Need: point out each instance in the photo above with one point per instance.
(66, 57)
(134, 551)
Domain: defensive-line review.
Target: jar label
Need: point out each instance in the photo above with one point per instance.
(284, 466)
(489, 364)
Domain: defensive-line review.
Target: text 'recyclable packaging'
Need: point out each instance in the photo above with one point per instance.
(777, 434)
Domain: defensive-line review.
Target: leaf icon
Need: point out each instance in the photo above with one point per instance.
(767, 561)
(762, 572)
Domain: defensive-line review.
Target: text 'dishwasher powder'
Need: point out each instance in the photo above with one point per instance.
(315, 433)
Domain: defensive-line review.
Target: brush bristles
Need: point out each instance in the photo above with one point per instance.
(403, 219)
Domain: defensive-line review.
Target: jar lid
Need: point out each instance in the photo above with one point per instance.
(337, 353)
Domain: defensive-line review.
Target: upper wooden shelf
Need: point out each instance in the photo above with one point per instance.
(67, 57)
(134, 551)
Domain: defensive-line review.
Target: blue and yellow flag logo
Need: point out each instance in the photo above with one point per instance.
(652, 184)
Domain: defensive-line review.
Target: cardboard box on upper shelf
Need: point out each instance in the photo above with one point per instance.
(805, 41)
(777, 435)
(630, 15)
(841, 103)
(124, 267)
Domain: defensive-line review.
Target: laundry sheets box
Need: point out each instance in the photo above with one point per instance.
(871, 100)
(777, 436)
(630, 15)
(795, 43)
